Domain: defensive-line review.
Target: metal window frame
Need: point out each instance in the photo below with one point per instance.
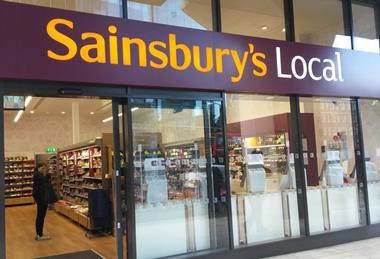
(348, 20)
(296, 142)
(289, 20)
(361, 174)
(117, 176)
(42, 89)
(375, 4)
(216, 15)
(2, 181)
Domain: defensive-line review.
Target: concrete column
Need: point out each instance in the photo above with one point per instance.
(75, 122)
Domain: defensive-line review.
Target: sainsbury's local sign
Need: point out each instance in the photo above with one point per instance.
(114, 49)
(56, 45)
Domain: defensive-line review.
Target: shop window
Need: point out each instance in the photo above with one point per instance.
(370, 115)
(195, 14)
(320, 22)
(104, 7)
(180, 177)
(263, 19)
(261, 165)
(329, 158)
(366, 38)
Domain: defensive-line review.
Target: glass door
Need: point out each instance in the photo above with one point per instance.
(176, 195)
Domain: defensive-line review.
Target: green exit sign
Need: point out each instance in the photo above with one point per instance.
(51, 150)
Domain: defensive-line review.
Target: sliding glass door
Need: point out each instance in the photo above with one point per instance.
(179, 176)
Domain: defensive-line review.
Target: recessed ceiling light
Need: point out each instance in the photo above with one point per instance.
(264, 28)
(107, 119)
(92, 113)
(284, 30)
(63, 112)
(111, 118)
(31, 112)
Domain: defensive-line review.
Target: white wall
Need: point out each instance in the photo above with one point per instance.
(33, 133)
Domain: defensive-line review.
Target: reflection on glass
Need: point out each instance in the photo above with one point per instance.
(180, 182)
(254, 18)
(320, 22)
(264, 201)
(365, 38)
(370, 115)
(192, 14)
(332, 192)
(104, 7)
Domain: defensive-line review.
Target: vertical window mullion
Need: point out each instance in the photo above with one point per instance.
(296, 143)
(377, 21)
(216, 16)
(360, 163)
(348, 20)
(2, 188)
(124, 8)
(289, 20)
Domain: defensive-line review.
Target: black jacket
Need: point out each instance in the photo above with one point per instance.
(40, 183)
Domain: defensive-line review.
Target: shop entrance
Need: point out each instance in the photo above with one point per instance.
(176, 186)
(160, 157)
(72, 133)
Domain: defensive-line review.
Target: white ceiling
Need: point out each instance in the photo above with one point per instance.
(56, 106)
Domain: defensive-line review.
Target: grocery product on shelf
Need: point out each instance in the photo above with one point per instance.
(18, 180)
(175, 172)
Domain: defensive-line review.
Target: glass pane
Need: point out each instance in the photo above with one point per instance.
(332, 192)
(370, 115)
(365, 28)
(254, 18)
(180, 190)
(192, 14)
(104, 7)
(264, 201)
(320, 22)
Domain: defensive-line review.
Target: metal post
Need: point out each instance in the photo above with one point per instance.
(210, 178)
(348, 21)
(130, 187)
(289, 20)
(124, 8)
(2, 195)
(226, 164)
(377, 20)
(296, 143)
(216, 16)
(117, 182)
(360, 163)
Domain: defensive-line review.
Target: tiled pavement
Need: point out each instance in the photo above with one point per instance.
(369, 248)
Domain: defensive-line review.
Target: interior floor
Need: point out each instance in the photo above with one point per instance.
(66, 236)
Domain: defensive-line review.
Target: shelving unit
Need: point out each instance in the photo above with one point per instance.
(81, 168)
(18, 180)
(185, 169)
(52, 163)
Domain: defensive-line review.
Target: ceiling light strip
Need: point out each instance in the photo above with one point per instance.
(18, 115)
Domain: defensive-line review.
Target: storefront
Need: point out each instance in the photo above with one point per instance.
(223, 145)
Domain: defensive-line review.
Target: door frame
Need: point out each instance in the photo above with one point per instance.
(146, 93)
(45, 89)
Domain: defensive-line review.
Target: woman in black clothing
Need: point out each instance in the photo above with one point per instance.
(41, 180)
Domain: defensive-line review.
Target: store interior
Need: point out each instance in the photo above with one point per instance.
(174, 143)
(74, 138)
(261, 160)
